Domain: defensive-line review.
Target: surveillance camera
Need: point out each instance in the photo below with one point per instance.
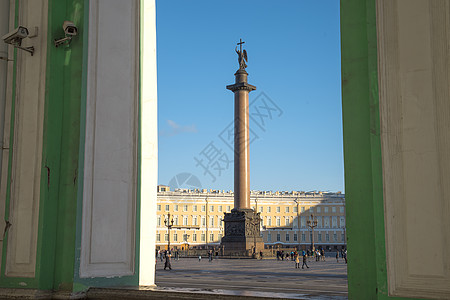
(16, 36)
(70, 28)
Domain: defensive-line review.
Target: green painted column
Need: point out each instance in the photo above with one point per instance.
(367, 275)
(356, 93)
(54, 265)
(59, 199)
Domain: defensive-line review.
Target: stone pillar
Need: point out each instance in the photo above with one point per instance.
(242, 233)
(241, 140)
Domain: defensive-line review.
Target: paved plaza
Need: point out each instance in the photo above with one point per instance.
(250, 277)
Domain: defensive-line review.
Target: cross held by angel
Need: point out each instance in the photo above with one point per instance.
(242, 55)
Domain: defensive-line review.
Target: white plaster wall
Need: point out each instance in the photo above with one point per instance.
(414, 74)
(111, 145)
(149, 162)
(27, 144)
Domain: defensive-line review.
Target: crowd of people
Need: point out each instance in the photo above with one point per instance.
(318, 254)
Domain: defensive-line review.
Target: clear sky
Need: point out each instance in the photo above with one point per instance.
(296, 119)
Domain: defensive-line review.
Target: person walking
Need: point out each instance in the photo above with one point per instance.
(297, 261)
(337, 256)
(304, 262)
(167, 263)
(260, 254)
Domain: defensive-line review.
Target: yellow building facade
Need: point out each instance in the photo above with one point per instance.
(196, 218)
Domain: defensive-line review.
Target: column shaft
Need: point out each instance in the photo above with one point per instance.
(241, 150)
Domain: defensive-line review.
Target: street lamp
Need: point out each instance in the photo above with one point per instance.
(312, 223)
(298, 224)
(169, 224)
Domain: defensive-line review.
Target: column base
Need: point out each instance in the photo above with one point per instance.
(242, 233)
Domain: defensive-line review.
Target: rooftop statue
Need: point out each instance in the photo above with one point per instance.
(242, 55)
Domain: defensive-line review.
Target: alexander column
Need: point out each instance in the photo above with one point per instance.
(242, 234)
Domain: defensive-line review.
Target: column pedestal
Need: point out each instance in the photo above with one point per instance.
(242, 233)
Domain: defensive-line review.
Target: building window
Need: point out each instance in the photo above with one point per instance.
(327, 237)
(194, 220)
(219, 208)
(167, 207)
(228, 208)
(203, 237)
(175, 237)
(175, 220)
(342, 222)
(320, 237)
(185, 207)
(185, 220)
(278, 221)
(185, 237)
(211, 222)
(343, 237)
(333, 209)
(219, 236)
(286, 221)
(335, 237)
(194, 237)
(325, 209)
(295, 209)
(287, 237)
(303, 209)
(341, 209)
(211, 237)
(159, 220)
(278, 209)
(311, 209)
(334, 221)
(303, 221)
(319, 221)
(211, 208)
(326, 221)
(203, 208)
(269, 237)
(166, 237)
(194, 208)
(295, 237)
(159, 207)
(318, 209)
(303, 237)
(260, 209)
(269, 221)
(268, 209)
(158, 237)
(175, 207)
(287, 209)
(278, 237)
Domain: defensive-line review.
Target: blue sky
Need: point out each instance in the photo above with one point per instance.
(294, 61)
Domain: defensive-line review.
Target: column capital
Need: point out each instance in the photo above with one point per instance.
(241, 86)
